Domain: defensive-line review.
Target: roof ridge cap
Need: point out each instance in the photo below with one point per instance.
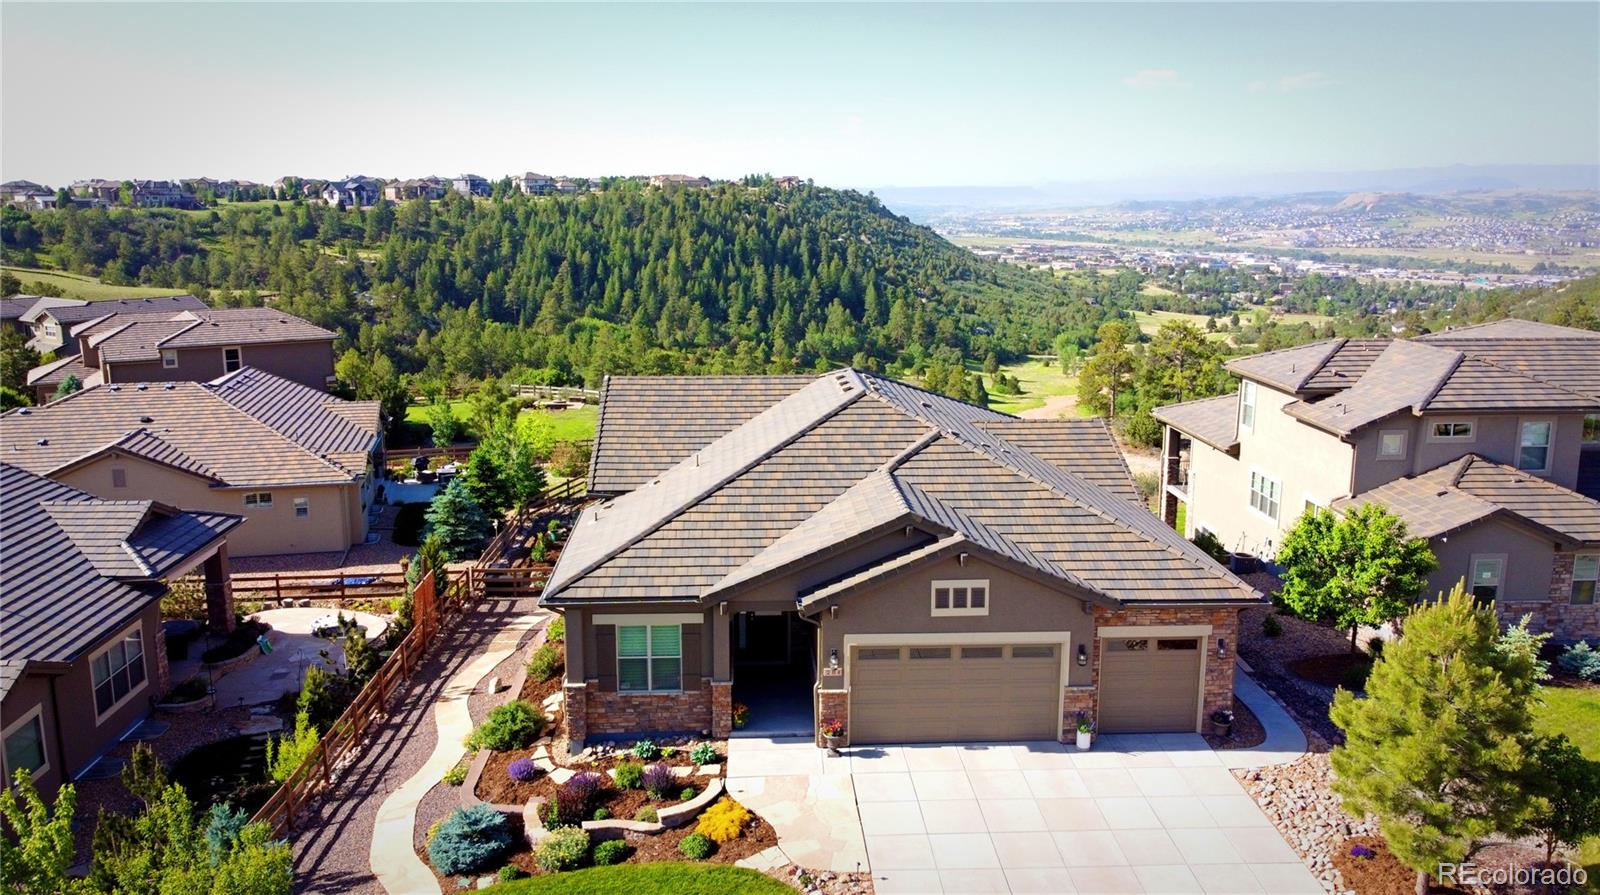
(173, 335)
(1338, 343)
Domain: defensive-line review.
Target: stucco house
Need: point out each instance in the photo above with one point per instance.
(190, 345)
(51, 323)
(1484, 439)
(848, 548)
(299, 465)
(82, 656)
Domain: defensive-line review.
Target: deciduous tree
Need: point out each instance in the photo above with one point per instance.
(1358, 569)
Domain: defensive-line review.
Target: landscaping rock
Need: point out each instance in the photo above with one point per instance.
(1298, 799)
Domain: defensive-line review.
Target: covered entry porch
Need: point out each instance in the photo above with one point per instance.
(774, 660)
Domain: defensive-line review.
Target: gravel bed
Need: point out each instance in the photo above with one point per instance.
(481, 701)
(1297, 798)
(824, 882)
(332, 844)
(435, 806)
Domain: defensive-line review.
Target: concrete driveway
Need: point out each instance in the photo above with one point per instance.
(1157, 814)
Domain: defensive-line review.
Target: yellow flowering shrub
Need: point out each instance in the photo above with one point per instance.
(724, 821)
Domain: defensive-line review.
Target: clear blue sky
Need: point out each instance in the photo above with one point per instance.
(863, 96)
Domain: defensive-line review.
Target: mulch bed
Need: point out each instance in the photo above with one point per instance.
(1329, 670)
(1247, 731)
(646, 849)
(1382, 874)
(497, 787)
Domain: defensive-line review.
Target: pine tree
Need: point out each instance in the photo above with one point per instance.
(458, 522)
(1438, 747)
(1108, 372)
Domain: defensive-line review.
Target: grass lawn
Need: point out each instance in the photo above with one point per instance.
(1149, 323)
(418, 413)
(649, 879)
(1040, 378)
(76, 285)
(1576, 713)
(570, 425)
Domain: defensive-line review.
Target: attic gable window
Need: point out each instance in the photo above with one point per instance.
(961, 597)
(169, 358)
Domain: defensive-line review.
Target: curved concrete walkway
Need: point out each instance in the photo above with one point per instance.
(1285, 740)
(395, 865)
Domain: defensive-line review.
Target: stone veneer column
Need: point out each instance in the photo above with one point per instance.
(575, 715)
(833, 705)
(1558, 616)
(163, 669)
(219, 592)
(721, 708)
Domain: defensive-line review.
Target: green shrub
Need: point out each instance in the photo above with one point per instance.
(1208, 541)
(469, 840)
(556, 631)
(1375, 647)
(1355, 677)
(647, 814)
(646, 750)
(564, 849)
(602, 814)
(686, 794)
(611, 851)
(510, 726)
(509, 872)
(697, 847)
(1270, 625)
(704, 753)
(629, 774)
(456, 775)
(286, 753)
(433, 830)
(546, 661)
(1581, 661)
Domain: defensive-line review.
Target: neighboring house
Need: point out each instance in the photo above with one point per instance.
(420, 188)
(162, 194)
(845, 547)
(195, 346)
(82, 654)
(679, 180)
(471, 185)
(353, 192)
(14, 310)
(51, 324)
(531, 184)
(1482, 436)
(28, 194)
(108, 192)
(300, 465)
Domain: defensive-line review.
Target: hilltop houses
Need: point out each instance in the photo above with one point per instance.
(531, 184)
(353, 192)
(471, 185)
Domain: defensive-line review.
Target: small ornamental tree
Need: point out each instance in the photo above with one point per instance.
(442, 423)
(35, 839)
(1439, 747)
(1566, 807)
(458, 522)
(1359, 569)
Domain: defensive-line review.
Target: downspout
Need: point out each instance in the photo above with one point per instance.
(55, 713)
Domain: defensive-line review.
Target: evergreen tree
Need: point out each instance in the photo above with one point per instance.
(1566, 807)
(1357, 569)
(458, 522)
(68, 386)
(1108, 373)
(1439, 746)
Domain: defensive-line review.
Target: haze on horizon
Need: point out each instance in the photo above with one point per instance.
(899, 95)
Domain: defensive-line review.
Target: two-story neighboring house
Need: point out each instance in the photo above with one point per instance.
(190, 345)
(1485, 440)
(50, 324)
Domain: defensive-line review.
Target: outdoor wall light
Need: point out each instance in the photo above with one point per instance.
(1222, 648)
(833, 658)
(1083, 655)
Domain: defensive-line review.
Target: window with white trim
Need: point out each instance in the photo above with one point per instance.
(1487, 574)
(231, 360)
(1451, 430)
(302, 507)
(117, 672)
(961, 597)
(1585, 572)
(1265, 495)
(24, 745)
(258, 500)
(1247, 404)
(1392, 444)
(649, 658)
(1533, 447)
(169, 358)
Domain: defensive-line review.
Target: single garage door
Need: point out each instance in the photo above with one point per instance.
(955, 693)
(1149, 685)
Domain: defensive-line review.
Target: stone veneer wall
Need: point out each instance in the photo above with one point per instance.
(606, 714)
(721, 708)
(1224, 624)
(1558, 616)
(833, 705)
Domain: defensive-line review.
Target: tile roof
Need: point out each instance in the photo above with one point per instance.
(1471, 488)
(247, 428)
(70, 314)
(1286, 369)
(18, 307)
(141, 337)
(1512, 328)
(75, 568)
(1214, 421)
(1083, 447)
(648, 423)
(57, 371)
(1348, 363)
(851, 453)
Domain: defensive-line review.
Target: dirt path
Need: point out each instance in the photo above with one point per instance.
(1054, 406)
(332, 844)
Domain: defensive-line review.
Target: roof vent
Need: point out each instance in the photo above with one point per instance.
(42, 442)
(144, 386)
(926, 406)
(170, 386)
(147, 419)
(116, 388)
(24, 412)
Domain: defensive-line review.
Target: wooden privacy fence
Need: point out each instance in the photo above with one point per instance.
(280, 586)
(557, 392)
(430, 610)
(455, 452)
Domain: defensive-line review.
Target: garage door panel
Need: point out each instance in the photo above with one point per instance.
(1149, 689)
(953, 694)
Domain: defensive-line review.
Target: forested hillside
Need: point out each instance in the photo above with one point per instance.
(737, 278)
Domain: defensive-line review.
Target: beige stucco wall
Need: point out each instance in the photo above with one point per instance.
(335, 522)
(1529, 557)
(308, 363)
(81, 736)
(1496, 436)
(1309, 463)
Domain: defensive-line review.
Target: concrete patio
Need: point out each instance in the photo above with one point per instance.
(1155, 813)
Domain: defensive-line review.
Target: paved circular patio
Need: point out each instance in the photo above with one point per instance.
(294, 649)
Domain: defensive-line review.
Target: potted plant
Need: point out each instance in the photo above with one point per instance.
(741, 715)
(833, 736)
(1221, 723)
(1085, 732)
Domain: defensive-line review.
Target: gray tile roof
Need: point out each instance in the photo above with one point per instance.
(1286, 369)
(75, 568)
(648, 423)
(19, 307)
(1214, 421)
(70, 314)
(1470, 489)
(1348, 363)
(141, 337)
(57, 371)
(1406, 375)
(247, 428)
(853, 452)
(1512, 328)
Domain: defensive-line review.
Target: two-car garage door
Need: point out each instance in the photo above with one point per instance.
(955, 693)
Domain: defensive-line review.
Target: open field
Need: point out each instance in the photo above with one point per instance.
(1150, 322)
(75, 285)
(565, 425)
(1043, 382)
